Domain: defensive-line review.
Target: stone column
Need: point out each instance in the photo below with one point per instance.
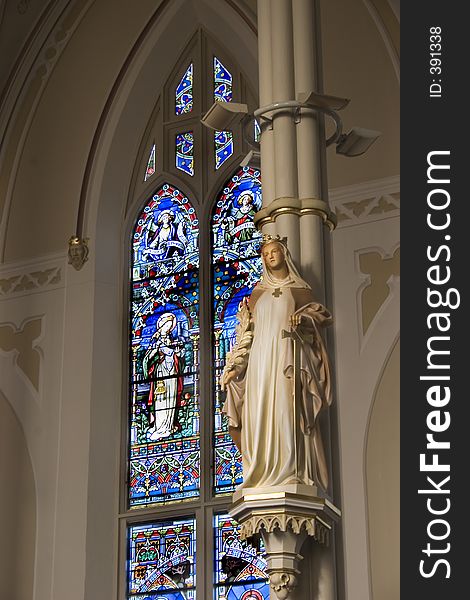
(292, 144)
(278, 137)
(265, 98)
(308, 147)
(285, 150)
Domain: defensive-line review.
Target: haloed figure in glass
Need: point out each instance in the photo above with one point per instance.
(163, 364)
(239, 226)
(167, 238)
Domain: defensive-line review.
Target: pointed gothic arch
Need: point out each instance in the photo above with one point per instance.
(193, 213)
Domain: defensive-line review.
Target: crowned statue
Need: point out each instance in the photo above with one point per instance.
(277, 377)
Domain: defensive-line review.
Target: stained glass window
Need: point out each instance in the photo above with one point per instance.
(223, 140)
(168, 461)
(164, 423)
(236, 268)
(161, 560)
(223, 147)
(222, 82)
(239, 567)
(185, 152)
(150, 164)
(184, 93)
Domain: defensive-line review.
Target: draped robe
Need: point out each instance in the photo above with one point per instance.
(260, 399)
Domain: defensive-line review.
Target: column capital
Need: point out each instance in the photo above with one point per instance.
(295, 206)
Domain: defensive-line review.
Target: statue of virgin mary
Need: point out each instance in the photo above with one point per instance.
(259, 378)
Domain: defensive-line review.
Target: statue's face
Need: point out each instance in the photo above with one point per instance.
(273, 255)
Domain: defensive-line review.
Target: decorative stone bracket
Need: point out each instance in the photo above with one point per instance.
(284, 516)
(78, 252)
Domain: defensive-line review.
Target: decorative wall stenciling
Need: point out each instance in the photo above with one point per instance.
(25, 282)
(361, 203)
(380, 269)
(353, 211)
(21, 341)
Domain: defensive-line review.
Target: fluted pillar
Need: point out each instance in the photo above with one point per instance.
(292, 156)
(265, 98)
(281, 135)
(308, 145)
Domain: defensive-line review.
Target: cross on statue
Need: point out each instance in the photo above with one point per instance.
(277, 292)
(297, 340)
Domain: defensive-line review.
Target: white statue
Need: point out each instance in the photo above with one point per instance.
(280, 441)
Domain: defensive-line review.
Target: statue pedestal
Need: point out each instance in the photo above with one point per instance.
(284, 516)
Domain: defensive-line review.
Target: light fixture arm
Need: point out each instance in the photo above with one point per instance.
(246, 138)
(297, 107)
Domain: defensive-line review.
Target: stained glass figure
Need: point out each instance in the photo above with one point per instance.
(239, 567)
(185, 152)
(162, 560)
(164, 347)
(184, 93)
(222, 82)
(150, 164)
(223, 147)
(236, 268)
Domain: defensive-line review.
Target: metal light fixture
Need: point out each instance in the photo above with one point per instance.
(222, 116)
(322, 100)
(357, 141)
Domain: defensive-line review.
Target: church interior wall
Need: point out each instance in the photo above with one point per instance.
(17, 507)
(365, 333)
(71, 421)
(383, 482)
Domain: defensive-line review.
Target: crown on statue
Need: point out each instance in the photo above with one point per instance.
(268, 239)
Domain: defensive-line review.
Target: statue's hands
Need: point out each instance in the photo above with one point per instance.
(295, 320)
(226, 378)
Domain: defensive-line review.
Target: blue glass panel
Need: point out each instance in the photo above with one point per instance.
(184, 152)
(222, 82)
(161, 560)
(236, 269)
(223, 147)
(167, 595)
(164, 352)
(239, 567)
(150, 164)
(184, 93)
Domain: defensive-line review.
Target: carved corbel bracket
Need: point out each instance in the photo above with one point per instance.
(78, 252)
(284, 516)
(283, 583)
(267, 522)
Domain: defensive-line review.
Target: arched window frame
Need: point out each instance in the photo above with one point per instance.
(202, 190)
